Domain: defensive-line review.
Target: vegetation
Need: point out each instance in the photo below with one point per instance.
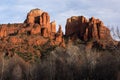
(115, 32)
(45, 49)
(25, 56)
(57, 63)
(72, 63)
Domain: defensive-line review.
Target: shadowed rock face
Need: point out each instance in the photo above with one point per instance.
(87, 30)
(76, 25)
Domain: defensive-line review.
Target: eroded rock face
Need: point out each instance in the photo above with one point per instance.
(53, 26)
(36, 30)
(59, 40)
(15, 40)
(76, 25)
(37, 16)
(87, 30)
(59, 35)
(45, 20)
(34, 16)
(9, 29)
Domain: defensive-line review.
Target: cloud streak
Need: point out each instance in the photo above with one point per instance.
(107, 10)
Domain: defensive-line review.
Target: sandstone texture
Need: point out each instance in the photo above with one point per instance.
(89, 30)
(37, 30)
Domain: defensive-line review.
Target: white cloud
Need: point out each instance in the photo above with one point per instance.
(107, 10)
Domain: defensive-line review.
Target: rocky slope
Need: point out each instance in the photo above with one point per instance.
(35, 31)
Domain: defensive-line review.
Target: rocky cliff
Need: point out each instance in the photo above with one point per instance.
(36, 30)
(89, 30)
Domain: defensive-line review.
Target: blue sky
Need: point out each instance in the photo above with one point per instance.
(14, 11)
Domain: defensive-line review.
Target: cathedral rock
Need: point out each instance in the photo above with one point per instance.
(37, 30)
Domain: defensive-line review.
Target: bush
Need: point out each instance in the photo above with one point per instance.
(25, 56)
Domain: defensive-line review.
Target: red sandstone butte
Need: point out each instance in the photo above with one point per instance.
(35, 31)
(88, 30)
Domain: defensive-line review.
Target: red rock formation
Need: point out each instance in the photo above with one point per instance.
(41, 24)
(36, 30)
(94, 29)
(58, 39)
(9, 29)
(37, 16)
(44, 32)
(59, 35)
(3, 31)
(36, 40)
(76, 25)
(45, 20)
(34, 16)
(15, 40)
(53, 26)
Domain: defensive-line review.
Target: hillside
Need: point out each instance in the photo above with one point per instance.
(34, 50)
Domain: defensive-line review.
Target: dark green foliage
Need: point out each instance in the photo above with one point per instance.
(45, 49)
(25, 56)
(36, 58)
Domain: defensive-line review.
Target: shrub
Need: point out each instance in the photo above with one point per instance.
(25, 56)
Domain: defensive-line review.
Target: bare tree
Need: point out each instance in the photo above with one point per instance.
(115, 32)
(3, 63)
(118, 32)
